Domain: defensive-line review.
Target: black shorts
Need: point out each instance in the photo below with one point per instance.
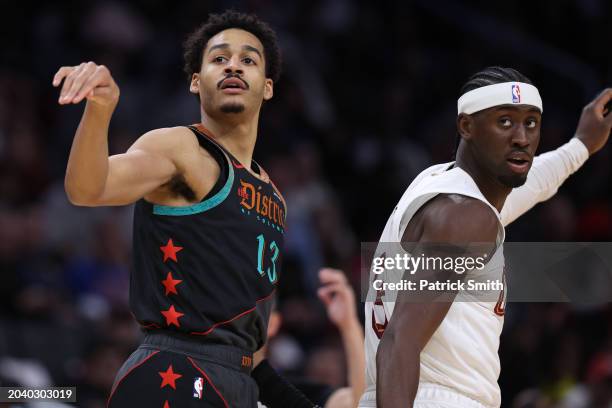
(168, 371)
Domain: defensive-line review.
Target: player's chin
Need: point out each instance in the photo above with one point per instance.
(232, 107)
(513, 180)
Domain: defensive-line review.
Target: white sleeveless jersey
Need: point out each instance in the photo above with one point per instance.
(462, 355)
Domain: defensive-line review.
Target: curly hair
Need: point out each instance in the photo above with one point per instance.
(197, 40)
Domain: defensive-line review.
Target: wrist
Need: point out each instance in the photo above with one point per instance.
(350, 326)
(101, 109)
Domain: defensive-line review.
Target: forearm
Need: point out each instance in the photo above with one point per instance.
(87, 167)
(548, 172)
(352, 339)
(397, 374)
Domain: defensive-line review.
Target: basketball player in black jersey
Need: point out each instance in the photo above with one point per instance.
(208, 222)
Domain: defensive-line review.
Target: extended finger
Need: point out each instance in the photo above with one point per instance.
(87, 88)
(80, 79)
(68, 83)
(61, 74)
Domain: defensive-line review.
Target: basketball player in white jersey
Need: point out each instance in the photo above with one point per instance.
(444, 354)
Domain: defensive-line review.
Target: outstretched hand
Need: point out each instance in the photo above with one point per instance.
(596, 122)
(87, 80)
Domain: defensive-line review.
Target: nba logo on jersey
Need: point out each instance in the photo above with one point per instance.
(198, 386)
(516, 94)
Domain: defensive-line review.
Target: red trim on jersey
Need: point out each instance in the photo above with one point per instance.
(204, 130)
(128, 373)
(214, 326)
(499, 310)
(500, 306)
(207, 133)
(209, 381)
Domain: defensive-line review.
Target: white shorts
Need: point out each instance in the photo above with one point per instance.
(429, 396)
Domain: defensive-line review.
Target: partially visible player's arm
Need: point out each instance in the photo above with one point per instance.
(551, 169)
(339, 299)
(548, 171)
(444, 220)
(92, 178)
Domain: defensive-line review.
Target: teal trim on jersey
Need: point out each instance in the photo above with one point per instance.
(201, 206)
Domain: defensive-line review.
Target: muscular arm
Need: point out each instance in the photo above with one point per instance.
(455, 220)
(92, 177)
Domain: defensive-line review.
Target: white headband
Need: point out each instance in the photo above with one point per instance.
(506, 93)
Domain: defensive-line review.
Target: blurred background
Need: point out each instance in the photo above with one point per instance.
(366, 101)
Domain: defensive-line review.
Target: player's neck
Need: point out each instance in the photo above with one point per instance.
(492, 189)
(235, 133)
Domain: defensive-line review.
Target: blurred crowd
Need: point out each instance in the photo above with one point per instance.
(367, 100)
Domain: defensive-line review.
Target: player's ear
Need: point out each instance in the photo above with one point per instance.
(194, 87)
(464, 126)
(268, 89)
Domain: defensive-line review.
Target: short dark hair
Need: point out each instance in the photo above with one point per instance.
(197, 40)
(490, 76)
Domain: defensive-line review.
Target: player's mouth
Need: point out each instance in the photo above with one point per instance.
(232, 85)
(519, 162)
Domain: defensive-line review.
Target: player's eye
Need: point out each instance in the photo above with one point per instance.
(219, 58)
(531, 123)
(248, 60)
(505, 122)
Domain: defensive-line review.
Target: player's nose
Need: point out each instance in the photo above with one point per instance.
(519, 137)
(233, 66)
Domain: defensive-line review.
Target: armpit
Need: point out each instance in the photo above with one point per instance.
(179, 188)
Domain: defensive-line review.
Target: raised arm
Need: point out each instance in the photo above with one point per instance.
(92, 177)
(456, 221)
(551, 169)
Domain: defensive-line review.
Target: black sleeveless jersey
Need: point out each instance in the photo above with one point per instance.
(209, 270)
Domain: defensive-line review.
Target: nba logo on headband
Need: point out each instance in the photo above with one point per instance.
(516, 94)
(497, 94)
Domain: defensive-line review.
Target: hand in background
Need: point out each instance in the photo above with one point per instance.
(338, 297)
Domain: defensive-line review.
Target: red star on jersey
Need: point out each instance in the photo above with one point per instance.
(170, 250)
(172, 316)
(169, 377)
(166, 405)
(170, 284)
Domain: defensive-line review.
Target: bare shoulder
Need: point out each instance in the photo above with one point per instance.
(196, 170)
(459, 218)
(166, 140)
(179, 145)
